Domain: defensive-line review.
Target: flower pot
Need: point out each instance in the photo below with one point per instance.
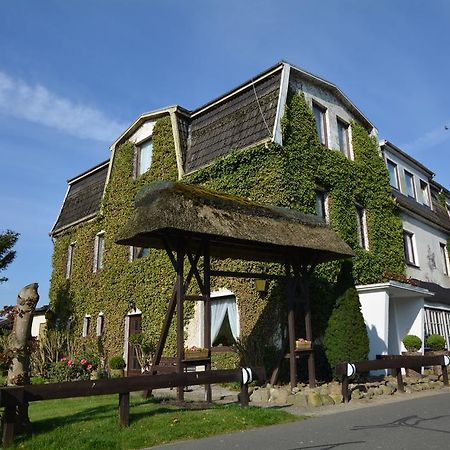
(198, 354)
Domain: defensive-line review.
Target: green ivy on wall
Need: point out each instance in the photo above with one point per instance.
(285, 175)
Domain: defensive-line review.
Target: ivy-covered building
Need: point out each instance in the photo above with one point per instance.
(285, 138)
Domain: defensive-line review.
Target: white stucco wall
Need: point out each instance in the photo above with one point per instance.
(406, 316)
(427, 241)
(375, 310)
(143, 132)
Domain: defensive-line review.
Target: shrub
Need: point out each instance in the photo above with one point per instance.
(346, 335)
(436, 342)
(412, 342)
(117, 362)
(72, 369)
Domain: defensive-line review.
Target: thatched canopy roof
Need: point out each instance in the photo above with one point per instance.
(234, 226)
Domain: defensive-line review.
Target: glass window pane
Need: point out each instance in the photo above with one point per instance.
(145, 154)
(393, 174)
(409, 180)
(343, 137)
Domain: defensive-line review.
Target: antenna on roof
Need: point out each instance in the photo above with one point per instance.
(260, 109)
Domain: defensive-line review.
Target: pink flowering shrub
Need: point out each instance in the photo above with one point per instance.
(72, 369)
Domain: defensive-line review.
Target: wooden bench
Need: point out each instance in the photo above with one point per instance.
(397, 362)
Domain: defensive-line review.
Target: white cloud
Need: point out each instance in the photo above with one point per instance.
(430, 139)
(37, 104)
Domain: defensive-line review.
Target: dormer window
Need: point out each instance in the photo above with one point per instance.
(393, 174)
(425, 193)
(409, 182)
(344, 137)
(321, 122)
(144, 156)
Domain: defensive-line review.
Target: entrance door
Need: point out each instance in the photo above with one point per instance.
(133, 367)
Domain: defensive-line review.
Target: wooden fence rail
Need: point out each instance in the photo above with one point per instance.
(397, 362)
(14, 397)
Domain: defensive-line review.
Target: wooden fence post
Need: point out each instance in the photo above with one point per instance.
(444, 374)
(244, 395)
(9, 417)
(345, 394)
(124, 409)
(400, 385)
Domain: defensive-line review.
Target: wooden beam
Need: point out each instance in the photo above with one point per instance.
(195, 298)
(255, 275)
(304, 280)
(207, 311)
(89, 388)
(180, 315)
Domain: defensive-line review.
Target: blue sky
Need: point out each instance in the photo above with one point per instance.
(75, 74)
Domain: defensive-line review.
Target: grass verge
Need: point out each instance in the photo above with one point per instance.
(92, 423)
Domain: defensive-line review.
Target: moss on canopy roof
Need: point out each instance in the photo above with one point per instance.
(235, 226)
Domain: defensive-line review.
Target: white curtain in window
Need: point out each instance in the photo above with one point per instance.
(219, 308)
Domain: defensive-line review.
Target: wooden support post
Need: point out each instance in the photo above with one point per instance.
(124, 409)
(291, 333)
(444, 374)
(9, 417)
(345, 393)
(180, 318)
(400, 385)
(308, 327)
(244, 398)
(207, 311)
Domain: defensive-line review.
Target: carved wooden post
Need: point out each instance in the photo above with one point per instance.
(19, 367)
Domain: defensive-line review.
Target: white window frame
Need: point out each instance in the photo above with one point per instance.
(99, 251)
(323, 137)
(69, 265)
(361, 220)
(410, 238)
(425, 192)
(394, 165)
(86, 325)
(100, 324)
(322, 199)
(410, 176)
(342, 124)
(138, 171)
(444, 257)
(134, 255)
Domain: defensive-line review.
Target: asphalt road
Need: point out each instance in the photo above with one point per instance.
(417, 423)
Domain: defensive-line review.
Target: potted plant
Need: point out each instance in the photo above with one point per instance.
(412, 344)
(302, 344)
(116, 366)
(436, 345)
(195, 352)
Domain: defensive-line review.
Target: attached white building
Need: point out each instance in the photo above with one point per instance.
(419, 304)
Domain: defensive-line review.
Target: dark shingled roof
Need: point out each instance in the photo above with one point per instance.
(83, 198)
(235, 227)
(438, 215)
(441, 294)
(240, 120)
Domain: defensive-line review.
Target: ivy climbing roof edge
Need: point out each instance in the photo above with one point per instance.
(235, 227)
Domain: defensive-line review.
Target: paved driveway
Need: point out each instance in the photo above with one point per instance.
(417, 423)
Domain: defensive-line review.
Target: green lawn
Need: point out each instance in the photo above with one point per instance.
(92, 423)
